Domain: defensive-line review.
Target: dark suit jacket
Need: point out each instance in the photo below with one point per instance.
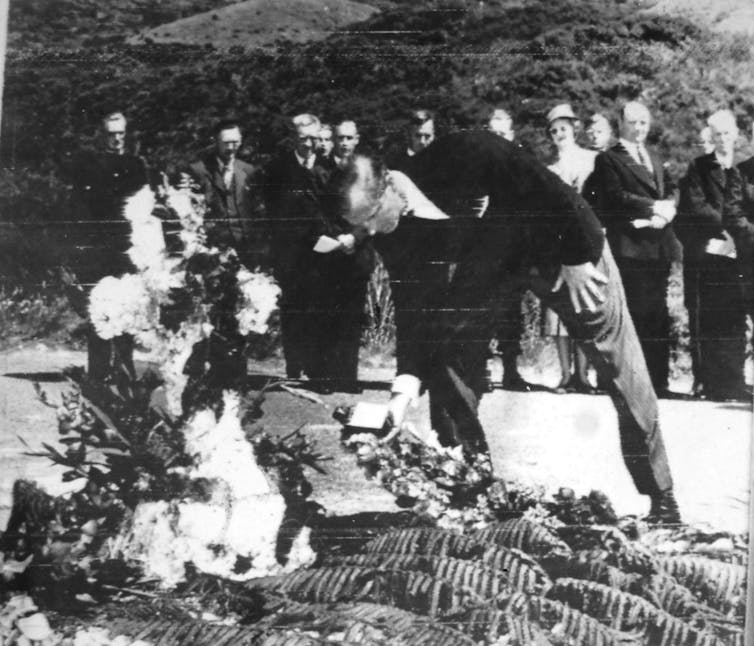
(740, 224)
(709, 195)
(621, 190)
(100, 237)
(233, 216)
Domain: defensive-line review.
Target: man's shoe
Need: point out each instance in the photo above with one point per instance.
(664, 510)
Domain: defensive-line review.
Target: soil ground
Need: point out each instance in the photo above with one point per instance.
(536, 438)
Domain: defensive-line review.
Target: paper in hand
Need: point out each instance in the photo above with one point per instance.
(641, 223)
(368, 415)
(326, 244)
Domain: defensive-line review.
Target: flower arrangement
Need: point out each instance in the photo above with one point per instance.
(173, 451)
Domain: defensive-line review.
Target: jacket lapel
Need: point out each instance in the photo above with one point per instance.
(639, 171)
(216, 176)
(715, 171)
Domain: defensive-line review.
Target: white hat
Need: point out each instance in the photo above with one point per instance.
(562, 111)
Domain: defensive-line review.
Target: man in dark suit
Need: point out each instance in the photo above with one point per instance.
(320, 266)
(711, 192)
(740, 224)
(234, 201)
(634, 196)
(531, 220)
(99, 239)
(419, 133)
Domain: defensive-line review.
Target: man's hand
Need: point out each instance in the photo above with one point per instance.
(397, 407)
(347, 242)
(585, 285)
(664, 209)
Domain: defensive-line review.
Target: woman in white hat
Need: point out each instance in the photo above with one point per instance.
(573, 165)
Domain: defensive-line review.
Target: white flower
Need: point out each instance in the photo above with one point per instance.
(259, 298)
(122, 305)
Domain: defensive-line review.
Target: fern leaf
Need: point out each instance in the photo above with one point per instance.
(290, 638)
(624, 611)
(610, 543)
(488, 625)
(588, 565)
(410, 590)
(482, 580)
(522, 571)
(426, 540)
(614, 608)
(579, 628)
(721, 585)
(522, 534)
(398, 627)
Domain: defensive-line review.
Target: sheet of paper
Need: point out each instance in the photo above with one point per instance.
(326, 244)
(368, 415)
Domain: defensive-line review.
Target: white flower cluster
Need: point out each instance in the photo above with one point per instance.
(241, 519)
(259, 298)
(122, 305)
(190, 211)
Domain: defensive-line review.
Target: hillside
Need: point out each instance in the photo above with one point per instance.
(721, 15)
(260, 23)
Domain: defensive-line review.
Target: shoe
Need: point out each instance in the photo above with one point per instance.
(664, 509)
(518, 384)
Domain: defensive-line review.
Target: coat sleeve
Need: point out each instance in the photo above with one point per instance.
(698, 217)
(735, 218)
(617, 203)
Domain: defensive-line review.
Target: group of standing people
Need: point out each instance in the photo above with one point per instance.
(464, 223)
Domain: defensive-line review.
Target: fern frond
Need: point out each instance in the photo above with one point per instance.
(522, 534)
(612, 607)
(426, 540)
(521, 570)
(721, 585)
(291, 638)
(487, 625)
(482, 580)
(613, 545)
(624, 611)
(580, 629)
(410, 590)
(587, 565)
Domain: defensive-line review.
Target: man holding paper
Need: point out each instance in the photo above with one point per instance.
(499, 214)
(711, 194)
(634, 196)
(321, 269)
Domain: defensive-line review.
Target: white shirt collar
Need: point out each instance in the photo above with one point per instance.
(725, 162)
(307, 162)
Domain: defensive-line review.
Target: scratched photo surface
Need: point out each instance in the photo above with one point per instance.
(380, 322)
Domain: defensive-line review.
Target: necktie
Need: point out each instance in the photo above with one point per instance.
(228, 176)
(643, 158)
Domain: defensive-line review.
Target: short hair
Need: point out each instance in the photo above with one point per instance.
(305, 120)
(345, 121)
(632, 104)
(420, 117)
(598, 117)
(721, 119)
(225, 124)
(114, 116)
(325, 126)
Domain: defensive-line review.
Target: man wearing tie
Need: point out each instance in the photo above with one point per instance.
(711, 192)
(633, 195)
(233, 201)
